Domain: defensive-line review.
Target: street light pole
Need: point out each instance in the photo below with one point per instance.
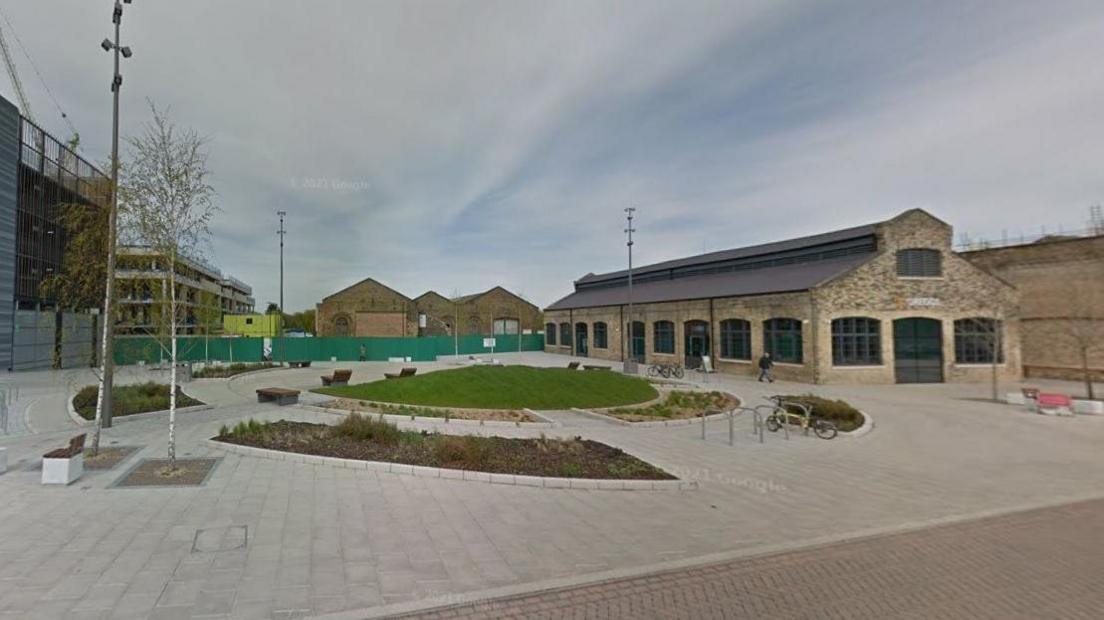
(630, 361)
(108, 345)
(280, 316)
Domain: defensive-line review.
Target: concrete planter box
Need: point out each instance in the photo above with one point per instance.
(1015, 398)
(1088, 407)
(62, 471)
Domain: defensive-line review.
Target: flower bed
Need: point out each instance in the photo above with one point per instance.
(677, 405)
(361, 406)
(131, 399)
(369, 439)
(222, 372)
(845, 417)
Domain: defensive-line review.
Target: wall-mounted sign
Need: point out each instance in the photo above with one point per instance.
(923, 302)
(488, 343)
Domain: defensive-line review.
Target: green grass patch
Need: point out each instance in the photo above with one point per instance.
(130, 399)
(846, 417)
(505, 387)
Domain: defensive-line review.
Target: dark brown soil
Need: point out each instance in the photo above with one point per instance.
(155, 473)
(578, 458)
(108, 458)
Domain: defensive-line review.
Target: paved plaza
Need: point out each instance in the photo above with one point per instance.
(317, 540)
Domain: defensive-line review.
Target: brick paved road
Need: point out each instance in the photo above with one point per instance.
(1044, 563)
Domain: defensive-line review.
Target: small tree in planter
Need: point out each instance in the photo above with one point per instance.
(169, 205)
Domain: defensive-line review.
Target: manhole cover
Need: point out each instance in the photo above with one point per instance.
(220, 539)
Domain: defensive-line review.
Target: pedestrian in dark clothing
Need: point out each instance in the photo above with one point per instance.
(766, 364)
(363, 353)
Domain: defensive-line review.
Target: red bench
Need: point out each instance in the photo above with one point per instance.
(1059, 404)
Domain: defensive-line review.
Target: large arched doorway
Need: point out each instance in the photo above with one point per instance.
(918, 350)
(696, 341)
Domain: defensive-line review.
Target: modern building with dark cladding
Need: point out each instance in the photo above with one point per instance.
(880, 303)
(38, 175)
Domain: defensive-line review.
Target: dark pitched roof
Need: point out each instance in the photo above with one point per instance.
(352, 286)
(737, 253)
(782, 279)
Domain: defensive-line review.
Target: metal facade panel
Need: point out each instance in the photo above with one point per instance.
(9, 167)
(33, 345)
(77, 339)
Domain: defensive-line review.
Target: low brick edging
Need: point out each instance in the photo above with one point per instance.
(80, 421)
(590, 484)
(394, 417)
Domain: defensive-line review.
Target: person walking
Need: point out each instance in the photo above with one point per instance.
(363, 353)
(766, 364)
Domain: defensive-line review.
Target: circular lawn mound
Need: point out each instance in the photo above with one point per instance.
(505, 387)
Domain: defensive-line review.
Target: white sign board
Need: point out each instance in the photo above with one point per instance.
(488, 343)
(924, 302)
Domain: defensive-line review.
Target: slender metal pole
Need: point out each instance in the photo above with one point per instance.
(280, 316)
(630, 361)
(108, 345)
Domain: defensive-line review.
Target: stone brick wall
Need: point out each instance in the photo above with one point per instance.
(440, 314)
(871, 290)
(477, 315)
(371, 309)
(1061, 286)
(874, 290)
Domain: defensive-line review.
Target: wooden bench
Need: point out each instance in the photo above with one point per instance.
(405, 372)
(340, 376)
(299, 364)
(573, 365)
(595, 367)
(282, 396)
(64, 465)
(1058, 404)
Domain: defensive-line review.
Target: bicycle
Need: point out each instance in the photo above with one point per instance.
(781, 415)
(666, 371)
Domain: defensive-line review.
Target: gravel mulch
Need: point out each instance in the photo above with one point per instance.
(154, 473)
(363, 406)
(108, 457)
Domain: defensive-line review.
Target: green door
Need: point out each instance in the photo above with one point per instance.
(636, 341)
(581, 339)
(918, 350)
(696, 342)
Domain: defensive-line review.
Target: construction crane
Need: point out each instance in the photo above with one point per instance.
(9, 62)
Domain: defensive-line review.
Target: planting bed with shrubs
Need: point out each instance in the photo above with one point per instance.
(361, 406)
(222, 372)
(131, 399)
(371, 439)
(677, 405)
(845, 417)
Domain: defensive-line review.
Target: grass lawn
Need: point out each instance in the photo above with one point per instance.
(505, 387)
(131, 399)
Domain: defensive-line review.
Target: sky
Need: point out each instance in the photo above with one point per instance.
(455, 146)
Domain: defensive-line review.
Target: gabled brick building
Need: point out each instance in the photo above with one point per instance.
(881, 303)
(369, 308)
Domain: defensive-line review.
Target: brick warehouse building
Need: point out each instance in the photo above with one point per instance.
(1061, 284)
(881, 303)
(369, 308)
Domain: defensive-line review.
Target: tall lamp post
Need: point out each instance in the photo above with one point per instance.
(280, 316)
(108, 348)
(630, 360)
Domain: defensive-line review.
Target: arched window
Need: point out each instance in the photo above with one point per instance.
(856, 341)
(601, 338)
(919, 263)
(550, 334)
(502, 327)
(565, 334)
(978, 341)
(735, 339)
(663, 337)
(782, 339)
(341, 325)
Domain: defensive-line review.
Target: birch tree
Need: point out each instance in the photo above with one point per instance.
(169, 207)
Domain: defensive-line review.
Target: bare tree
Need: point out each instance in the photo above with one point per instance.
(169, 206)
